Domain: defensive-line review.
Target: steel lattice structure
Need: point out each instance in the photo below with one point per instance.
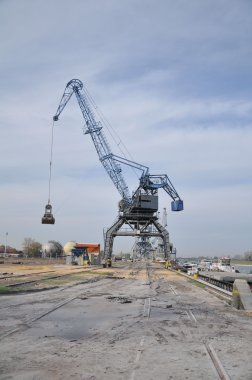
(137, 211)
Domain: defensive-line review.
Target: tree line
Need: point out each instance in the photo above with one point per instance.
(244, 256)
(32, 248)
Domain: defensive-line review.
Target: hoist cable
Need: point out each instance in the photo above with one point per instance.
(51, 156)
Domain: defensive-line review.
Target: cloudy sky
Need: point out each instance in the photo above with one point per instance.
(174, 79)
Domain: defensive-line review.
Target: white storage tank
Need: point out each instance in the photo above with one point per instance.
(48, 249)
(68, 247)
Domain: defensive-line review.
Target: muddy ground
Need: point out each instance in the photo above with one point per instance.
(132, 321)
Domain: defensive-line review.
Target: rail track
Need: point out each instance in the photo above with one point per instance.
(41, 279)
(213, 357)
(27, 322)
(74, 268)
(163, 290)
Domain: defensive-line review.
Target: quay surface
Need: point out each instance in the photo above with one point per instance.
(136, 321)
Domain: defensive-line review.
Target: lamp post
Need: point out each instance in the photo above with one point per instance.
(5, 247)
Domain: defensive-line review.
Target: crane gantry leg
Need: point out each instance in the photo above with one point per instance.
(138, 225)
(109, 240)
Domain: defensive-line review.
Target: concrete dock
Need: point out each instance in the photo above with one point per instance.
(228, 276)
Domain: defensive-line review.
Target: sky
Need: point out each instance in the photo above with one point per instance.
(174, 79)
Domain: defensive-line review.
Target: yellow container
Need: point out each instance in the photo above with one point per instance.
(195, 275)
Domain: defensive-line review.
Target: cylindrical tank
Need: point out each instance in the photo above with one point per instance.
(48, 249)
(68, 247)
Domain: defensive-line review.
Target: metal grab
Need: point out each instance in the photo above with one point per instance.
(48, 216)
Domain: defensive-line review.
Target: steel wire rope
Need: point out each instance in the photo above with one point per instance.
(113, 135)
(68, 196)
(51, 156)
(111, 130)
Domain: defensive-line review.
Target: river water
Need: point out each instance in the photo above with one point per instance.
(244, 268)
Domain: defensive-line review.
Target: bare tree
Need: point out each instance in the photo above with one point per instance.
(31, 248)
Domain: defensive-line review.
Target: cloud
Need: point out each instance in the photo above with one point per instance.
(174, 80)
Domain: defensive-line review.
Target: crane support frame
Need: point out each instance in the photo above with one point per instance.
(139, 227)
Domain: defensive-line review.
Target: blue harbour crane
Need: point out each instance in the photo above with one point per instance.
(138, 211)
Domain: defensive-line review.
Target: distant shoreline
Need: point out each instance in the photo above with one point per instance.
(241, 262)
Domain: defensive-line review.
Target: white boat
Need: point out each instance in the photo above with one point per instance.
(193, 269)
(223, 265)
(205, 264)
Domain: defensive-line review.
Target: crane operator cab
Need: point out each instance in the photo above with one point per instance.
(48, 216)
